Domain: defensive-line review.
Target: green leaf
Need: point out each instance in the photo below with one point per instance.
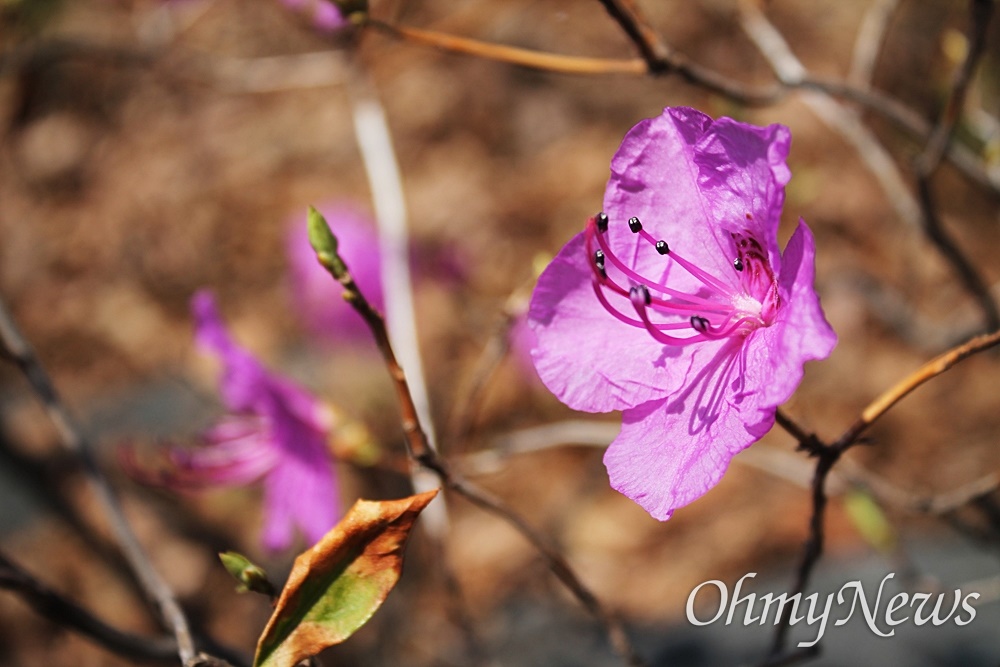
(870, 520)
(336, 586)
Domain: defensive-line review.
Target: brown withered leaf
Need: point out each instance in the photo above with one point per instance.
(336, 586)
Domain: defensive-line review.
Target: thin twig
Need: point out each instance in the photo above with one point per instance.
(936, 148)
(838, 117)
(384, 178)
(869, 40)
(66, 613)
(629, 16)
(813, 547)
(421, 452)
(386, 184)
(512, 55)
(827, 456)
(928, 371)
(152, 583)
(935, 504)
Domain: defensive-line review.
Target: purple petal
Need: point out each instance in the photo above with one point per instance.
(302, 488)
(243, 380)
(742, 173)
(585, 356)
(672, 451)
(655, 177)
(801, 332)
(317, 296)
(300, 491)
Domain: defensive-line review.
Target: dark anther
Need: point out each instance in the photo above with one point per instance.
(662, 247)
(599, 262)
(700, 324)
(602, 221)
(738, 264)
(642, 291)
(634, 225)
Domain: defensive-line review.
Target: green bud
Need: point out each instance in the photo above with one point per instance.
(324, 243)
(251, 577)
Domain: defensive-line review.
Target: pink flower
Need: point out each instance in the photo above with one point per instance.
(324, 15)
(317, 297)
(275, 430)
(675, 306)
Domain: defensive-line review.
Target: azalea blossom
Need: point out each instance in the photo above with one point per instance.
(323, 14)
(316, 296)
(675, 306)
(275, 431)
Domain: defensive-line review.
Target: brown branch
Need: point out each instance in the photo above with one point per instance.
(659, 60)
(155, 588)
(68, 614)
(937, 145)
(654, 50)
(423, 454)
(828, 455)
(928, 371)
(540, 60)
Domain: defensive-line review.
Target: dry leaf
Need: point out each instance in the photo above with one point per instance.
(336, 586)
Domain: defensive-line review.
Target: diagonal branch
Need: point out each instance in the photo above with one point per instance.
(925, 373)
(828, 455)
(421, 452)
(935, 150)
(152, 583)
(68, 614)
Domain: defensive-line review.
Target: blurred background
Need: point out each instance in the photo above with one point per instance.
(150, 149)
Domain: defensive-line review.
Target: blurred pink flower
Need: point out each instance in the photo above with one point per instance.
(318, 297)
(323, 14)
(676, 306)
(275, 431)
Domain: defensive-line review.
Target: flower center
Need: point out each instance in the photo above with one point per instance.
(720, 309)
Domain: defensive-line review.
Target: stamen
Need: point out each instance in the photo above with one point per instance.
(738, 264)
(703, 303)
(731, 329)
(638, 296)
(602, 221)
(634, 225)
(699, 324)
(662, 247)
(666, 326)
(599, 263)
(639, 292)
(708, 279)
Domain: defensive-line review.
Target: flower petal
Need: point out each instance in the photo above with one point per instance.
(670, 453)
(301, 489)
(585, 356)
(243, 377)
(298, 492)
(801, 332)
(742, 174)
(655, 177)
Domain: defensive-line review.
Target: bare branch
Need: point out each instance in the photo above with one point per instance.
(68, 614)
(152, 583)
(927, 372)
(421, 452)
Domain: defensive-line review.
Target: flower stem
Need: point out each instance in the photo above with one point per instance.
(540, 60)
(928, 371)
